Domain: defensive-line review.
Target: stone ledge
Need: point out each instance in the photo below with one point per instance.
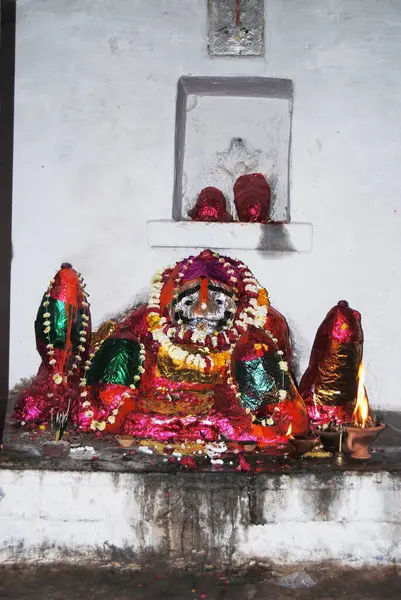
(291, 237)
(23, 451)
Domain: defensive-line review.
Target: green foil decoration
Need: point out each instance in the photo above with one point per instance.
(117, 361)
(259, 381)
(58, 323)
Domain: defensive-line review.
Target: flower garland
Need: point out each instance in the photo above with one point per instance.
(253, 314)
(282, 393)
(171, 338)
(58, 378)
(101, 425)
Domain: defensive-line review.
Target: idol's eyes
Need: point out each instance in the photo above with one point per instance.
(221, 299)
(188, 302)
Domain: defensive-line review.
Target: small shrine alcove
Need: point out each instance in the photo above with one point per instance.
(227, 127)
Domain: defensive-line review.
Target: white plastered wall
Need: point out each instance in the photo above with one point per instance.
(94, 133)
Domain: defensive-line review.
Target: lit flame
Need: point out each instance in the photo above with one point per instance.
(361, 412)
(289, 430)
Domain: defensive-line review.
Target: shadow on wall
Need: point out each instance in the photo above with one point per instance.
(7, 69)
(300, 348)
(275, 242)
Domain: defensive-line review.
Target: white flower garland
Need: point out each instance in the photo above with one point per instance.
(254, 314)
(101, 425)
(58, 378)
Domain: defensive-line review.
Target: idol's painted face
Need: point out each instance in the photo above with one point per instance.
(205, 306)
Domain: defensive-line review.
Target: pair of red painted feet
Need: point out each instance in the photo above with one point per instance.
(251, 199)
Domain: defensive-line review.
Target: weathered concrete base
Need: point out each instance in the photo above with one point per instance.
(207, 518)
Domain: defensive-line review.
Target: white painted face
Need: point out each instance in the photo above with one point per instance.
(213, 313)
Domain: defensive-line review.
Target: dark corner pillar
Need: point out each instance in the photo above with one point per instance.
(7, 70)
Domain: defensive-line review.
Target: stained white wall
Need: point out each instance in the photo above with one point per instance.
(94, 132)
(103, 516)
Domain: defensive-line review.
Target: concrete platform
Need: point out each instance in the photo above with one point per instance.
(114, 505)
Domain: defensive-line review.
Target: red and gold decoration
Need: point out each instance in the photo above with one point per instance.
(206, 359)
(252, 198)
(63, 333)
(205, 363)
(330, 383)
(210, 206)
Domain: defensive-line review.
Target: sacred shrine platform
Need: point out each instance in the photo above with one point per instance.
(103, 503)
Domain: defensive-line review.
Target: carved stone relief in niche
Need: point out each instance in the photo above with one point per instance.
(229, 166)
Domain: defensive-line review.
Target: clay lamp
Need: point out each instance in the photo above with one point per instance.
(302, 443)
(360, 438)
(329, 437)
(125, 441)
(363, 432)
(247, 445)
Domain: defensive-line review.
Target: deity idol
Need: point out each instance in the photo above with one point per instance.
(208, 357)
(329, 385)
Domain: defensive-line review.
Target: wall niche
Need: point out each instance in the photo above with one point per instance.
(227, 127)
